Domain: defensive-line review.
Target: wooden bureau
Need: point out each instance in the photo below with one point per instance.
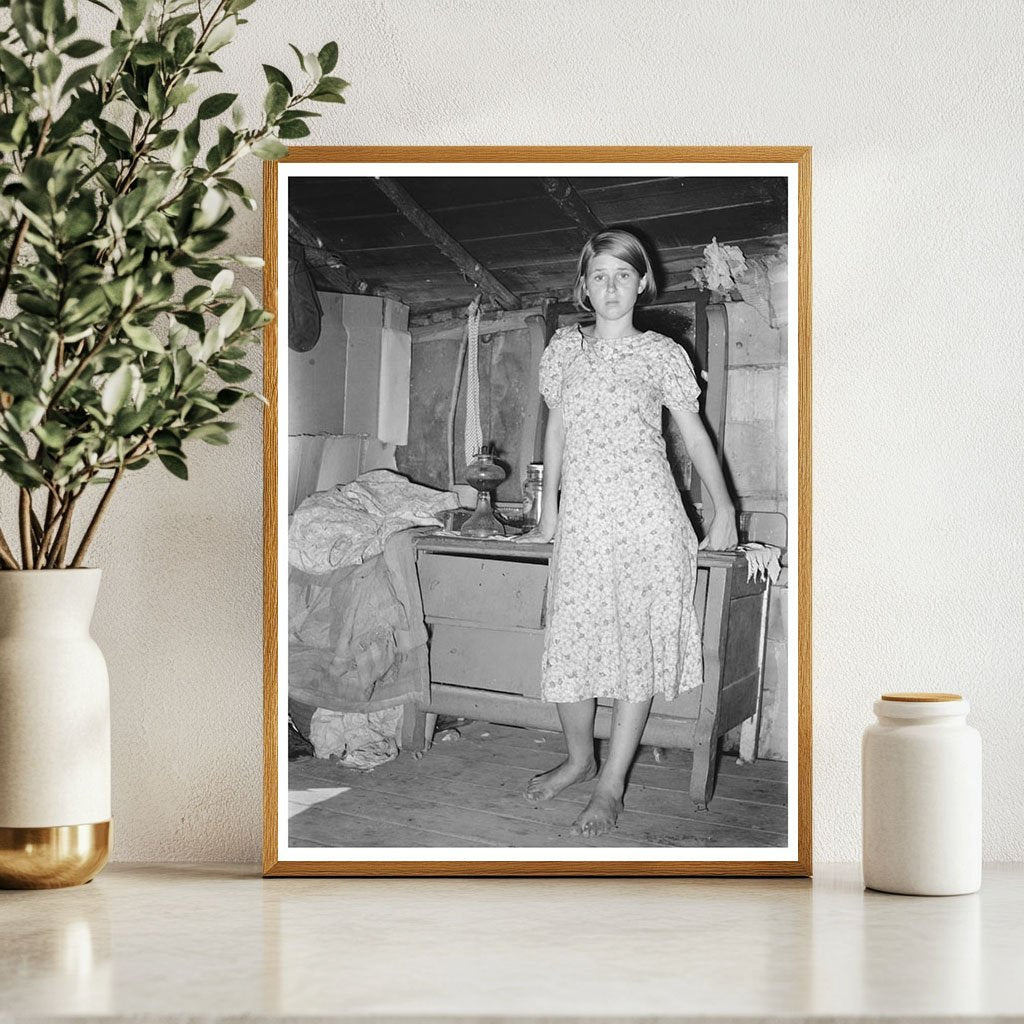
(484, 603)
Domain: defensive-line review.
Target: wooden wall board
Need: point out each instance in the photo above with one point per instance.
(316, 379)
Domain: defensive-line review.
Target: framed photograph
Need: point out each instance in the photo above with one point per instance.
(538, 512)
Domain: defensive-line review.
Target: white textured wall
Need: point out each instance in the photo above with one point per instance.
(913, 110)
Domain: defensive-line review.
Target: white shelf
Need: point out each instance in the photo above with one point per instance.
(216, 941)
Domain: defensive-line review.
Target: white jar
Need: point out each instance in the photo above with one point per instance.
(921, 779)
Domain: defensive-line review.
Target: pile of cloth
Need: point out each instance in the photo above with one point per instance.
(357, 644)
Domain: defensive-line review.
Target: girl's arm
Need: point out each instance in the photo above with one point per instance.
(554, 443)
(721, 534)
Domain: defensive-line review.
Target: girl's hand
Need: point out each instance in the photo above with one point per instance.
(721, 534)
(542, 533)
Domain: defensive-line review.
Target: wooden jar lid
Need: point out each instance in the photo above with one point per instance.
(921, 698)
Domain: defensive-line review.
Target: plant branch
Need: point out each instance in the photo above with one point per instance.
(97, 516)
(60, 544)
(37, 527)
(22, 229)
(86, 358)
(6, 554)
(54, 511)
(25, 522)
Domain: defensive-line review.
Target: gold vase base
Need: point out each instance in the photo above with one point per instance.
(54, 857)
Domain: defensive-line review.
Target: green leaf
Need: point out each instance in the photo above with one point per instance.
(129, 207)
(11, 356)
(184, 44)
(83, 48)
(181, 94)
(222, 281)
(276, 99)
(21, 471)
(175, 465)
(14, 68)
(334, 84)
(227, 397)
(328, 57)
(26, 414)
(49, 68)
(133, 12)
(65, 28)
(211, 433)
(116, 390)
(232, 373)
(292, 130)
(232, 319)
(311, 65)
(77, 79)
(149, 53)
(214, 105)
(195, 296)
(109, 65)
(26, 20)
(11, 443)
(163, 139)
(167, 441)
(164, 376)
(53, 14)
(156, 101)
(278, 77)
(324, 96)
(53, 435)
(116, 133)
(269, 149)
(193, 379)
(128, 421)
(221, 35)
(144, 338)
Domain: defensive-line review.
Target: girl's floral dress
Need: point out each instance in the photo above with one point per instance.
(620, 615)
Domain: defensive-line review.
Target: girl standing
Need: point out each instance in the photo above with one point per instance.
(620, 615)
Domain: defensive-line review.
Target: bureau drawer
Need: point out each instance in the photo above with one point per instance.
(491, 591)
(507, 660)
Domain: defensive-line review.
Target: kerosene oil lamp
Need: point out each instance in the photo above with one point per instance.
(486, 476)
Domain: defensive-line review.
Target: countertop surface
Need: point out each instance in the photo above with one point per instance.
(177, 942)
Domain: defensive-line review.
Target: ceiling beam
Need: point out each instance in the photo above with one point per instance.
(465, 261)
(573, 204)
(318, 256)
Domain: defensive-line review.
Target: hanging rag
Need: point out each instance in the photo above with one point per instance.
(762, 561)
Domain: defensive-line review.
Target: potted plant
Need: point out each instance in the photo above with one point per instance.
(122, 340)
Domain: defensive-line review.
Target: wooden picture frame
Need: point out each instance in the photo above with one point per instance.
(788, 171)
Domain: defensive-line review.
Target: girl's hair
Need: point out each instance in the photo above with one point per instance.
(623, 246)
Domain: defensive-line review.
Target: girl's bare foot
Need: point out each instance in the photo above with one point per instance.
(600, 814)
(549, 784)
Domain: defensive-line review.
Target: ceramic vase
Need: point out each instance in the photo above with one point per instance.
(54, 731)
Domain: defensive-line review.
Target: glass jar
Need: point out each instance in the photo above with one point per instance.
(533, 493)
(921, 790)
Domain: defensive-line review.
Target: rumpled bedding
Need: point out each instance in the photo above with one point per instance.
(356, 637)
(349, 524)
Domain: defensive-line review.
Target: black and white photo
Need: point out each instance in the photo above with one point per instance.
(537, 583)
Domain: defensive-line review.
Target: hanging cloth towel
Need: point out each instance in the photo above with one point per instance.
(473, 436)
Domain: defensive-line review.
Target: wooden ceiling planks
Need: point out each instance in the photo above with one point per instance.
(518, 229)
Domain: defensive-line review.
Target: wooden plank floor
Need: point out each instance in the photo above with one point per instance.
(467, 791)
